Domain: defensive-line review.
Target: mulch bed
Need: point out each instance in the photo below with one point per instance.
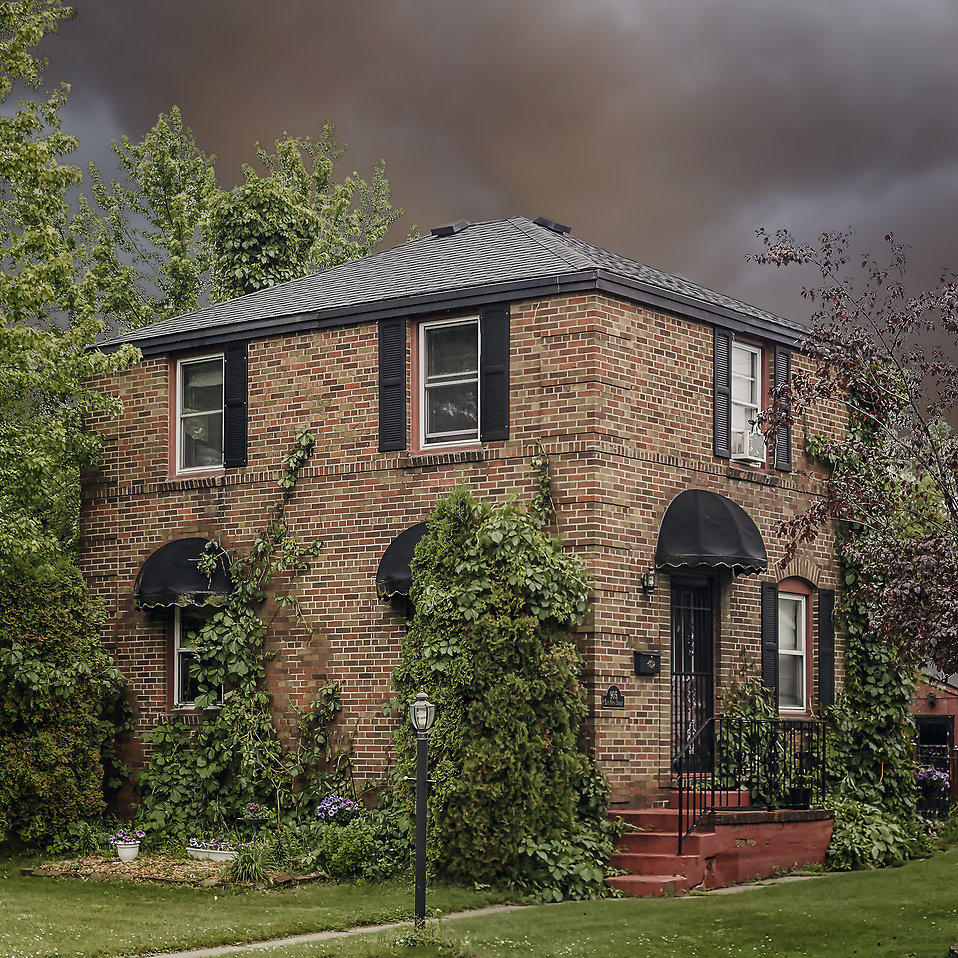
(153, 868)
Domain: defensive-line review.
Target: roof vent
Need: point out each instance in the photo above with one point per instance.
(551, 225)
(448, 229)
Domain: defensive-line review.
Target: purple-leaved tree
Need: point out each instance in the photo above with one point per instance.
(890, 358)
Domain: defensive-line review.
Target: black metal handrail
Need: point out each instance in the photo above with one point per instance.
(756, 763)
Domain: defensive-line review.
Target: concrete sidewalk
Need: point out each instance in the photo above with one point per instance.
(320, 936)
(398, 925)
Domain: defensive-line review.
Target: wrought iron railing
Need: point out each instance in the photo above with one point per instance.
(934, 800)
(757, 763)
(691, 710)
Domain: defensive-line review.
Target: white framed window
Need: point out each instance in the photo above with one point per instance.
(186, 623)
(792, 647)
(199, 413)
(449, 381)
(746, 387)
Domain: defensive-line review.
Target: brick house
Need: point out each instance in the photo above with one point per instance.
(458, 357)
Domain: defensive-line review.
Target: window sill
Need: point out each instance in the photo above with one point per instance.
(431, 457)
(441, 447)
(198, 473)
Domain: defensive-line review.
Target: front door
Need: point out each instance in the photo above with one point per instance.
(935, 747)
(692, 704)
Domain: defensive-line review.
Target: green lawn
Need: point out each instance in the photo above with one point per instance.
(45, 917)
(910, 911)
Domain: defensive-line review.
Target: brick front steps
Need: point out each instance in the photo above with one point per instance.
(729, 846)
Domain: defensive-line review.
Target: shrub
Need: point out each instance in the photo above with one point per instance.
(341, 851)
(496, 601)
(61, 703)
(250, 864)
(77, 839)
(866, 836)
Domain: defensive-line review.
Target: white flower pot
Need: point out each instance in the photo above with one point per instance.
(199, 853)
(220, 854)
(127, 850)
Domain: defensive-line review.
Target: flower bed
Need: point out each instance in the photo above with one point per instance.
(145, 868)
(152, 868)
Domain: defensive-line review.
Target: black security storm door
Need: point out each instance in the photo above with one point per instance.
(692, 670)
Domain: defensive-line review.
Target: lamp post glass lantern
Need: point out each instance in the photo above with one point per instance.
(422, 713)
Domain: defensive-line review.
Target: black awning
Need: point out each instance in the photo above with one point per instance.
(704, 529)
(171, 576)
(393, 577)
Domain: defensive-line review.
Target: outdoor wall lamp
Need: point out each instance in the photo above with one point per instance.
(649, 580)
(932, 699)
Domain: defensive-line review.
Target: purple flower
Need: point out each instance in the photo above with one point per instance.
(337, 808)
(123, 837)
(933, 776)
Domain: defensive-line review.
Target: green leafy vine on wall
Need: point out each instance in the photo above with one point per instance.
(517, 798)
(209, 773)
(870, 759)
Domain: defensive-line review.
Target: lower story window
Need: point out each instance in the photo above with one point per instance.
(792, 643)
(186, 623)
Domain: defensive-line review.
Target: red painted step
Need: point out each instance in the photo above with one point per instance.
(665, 843)
(650, 886)
(647, 852)
(691, 867)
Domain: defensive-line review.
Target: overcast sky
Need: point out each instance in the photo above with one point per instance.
(666, 130)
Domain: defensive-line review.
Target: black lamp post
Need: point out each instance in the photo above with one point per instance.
(422, 713)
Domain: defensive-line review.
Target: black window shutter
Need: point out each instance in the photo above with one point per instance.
(826, 647)
(494, 374)
(783, 438)
(722, 393)
(235, 406)
(770, 640)
(392, 385)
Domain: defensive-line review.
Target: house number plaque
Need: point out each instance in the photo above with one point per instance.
(613, 698)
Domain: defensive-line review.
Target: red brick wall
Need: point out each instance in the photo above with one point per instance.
(618, 397)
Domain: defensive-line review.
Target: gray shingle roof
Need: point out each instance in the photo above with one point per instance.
(497, 260)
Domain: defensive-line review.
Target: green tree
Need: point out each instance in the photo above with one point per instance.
(60, 702)
(296, 219)
(58, 690)
(45, 369)
(143, 232)
(164, 237)
(891, 492)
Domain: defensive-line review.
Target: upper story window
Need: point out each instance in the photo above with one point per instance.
(460, 373)
(449, 381)
(747, 441)
(738, 397)
(199, 387)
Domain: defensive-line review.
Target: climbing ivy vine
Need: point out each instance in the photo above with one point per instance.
(872, 754)
(871, 765)
(208, 773)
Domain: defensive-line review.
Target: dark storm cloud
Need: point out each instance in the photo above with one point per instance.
(663, 129)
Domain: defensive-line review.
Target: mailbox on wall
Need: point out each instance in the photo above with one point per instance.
(647, 663)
